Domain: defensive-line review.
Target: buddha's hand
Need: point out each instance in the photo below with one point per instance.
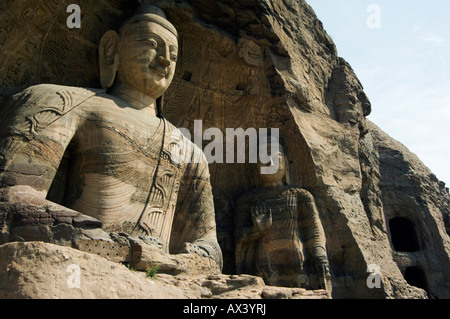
(323, 268)
(262, 217)
(30, 208)
(189, 248)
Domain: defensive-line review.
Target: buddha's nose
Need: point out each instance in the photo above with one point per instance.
(163, 61)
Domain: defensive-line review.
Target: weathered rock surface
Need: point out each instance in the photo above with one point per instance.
(46, 271)
(38, 270)
(253, 64)
(413, 196)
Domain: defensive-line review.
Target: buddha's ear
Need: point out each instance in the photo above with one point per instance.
(108, 58)
(160, 106)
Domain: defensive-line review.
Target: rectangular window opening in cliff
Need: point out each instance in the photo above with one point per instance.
(403, 235)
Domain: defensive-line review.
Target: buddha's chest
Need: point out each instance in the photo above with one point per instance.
(119, 165)
(121, 132)
(283, 208)
(120, 145)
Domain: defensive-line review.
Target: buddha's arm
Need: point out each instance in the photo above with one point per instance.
(194, 222)
(32, 144)
(312, 231)
(314, 238)
(246, 234)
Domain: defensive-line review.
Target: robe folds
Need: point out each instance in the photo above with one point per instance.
(295, 236)
(95, 154)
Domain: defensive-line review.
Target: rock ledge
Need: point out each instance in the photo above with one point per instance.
(38, 270)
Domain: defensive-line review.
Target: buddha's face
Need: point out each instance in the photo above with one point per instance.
(277, 169)
(147, 57)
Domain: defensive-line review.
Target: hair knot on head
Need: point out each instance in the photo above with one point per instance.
(150, 13)
(147, 8)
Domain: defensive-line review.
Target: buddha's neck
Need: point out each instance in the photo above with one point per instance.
(272, 184)
(136, 98)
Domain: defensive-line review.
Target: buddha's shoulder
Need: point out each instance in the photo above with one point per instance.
(248, 197)
(266, 194)
(57, 97)
(85, 99)
(56, 91)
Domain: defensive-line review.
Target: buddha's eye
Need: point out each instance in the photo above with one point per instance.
(153, 43)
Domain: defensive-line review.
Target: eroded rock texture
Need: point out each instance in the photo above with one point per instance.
(71, 274)
(259, 64)
(416, 208)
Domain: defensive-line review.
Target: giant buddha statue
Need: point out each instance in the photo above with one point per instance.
(107, 157)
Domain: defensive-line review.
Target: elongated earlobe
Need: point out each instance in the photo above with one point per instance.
(108, 58)
(160, 106)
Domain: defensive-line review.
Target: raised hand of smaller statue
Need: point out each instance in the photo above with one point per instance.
(261, 217)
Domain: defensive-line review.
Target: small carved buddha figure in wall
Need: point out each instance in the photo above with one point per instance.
(86, 156)
(278, 229)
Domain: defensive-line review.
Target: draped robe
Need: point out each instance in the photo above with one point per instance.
(96, 154)
(296, 234)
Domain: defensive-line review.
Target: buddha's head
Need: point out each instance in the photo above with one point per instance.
(276, 170)
(142, 55)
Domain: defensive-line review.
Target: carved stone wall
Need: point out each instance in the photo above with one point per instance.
(250, 64)
(229, 83)
(36, 46)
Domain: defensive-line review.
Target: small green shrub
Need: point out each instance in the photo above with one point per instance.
(151, 271)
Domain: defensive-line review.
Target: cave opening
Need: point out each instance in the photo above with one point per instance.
(415, 276)
(403, 235)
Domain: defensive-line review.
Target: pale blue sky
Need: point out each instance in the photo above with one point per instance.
(403, 66)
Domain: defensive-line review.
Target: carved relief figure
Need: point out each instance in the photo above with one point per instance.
(274, 118)
(209, 119)
(250, 51)
(67, 153)
(277, 228)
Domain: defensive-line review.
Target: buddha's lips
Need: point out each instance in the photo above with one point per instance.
(160, 70)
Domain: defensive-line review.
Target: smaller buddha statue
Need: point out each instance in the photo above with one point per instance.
(277, 230)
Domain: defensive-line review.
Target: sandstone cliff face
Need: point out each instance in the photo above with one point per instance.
(416, 206)
(260, 64)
